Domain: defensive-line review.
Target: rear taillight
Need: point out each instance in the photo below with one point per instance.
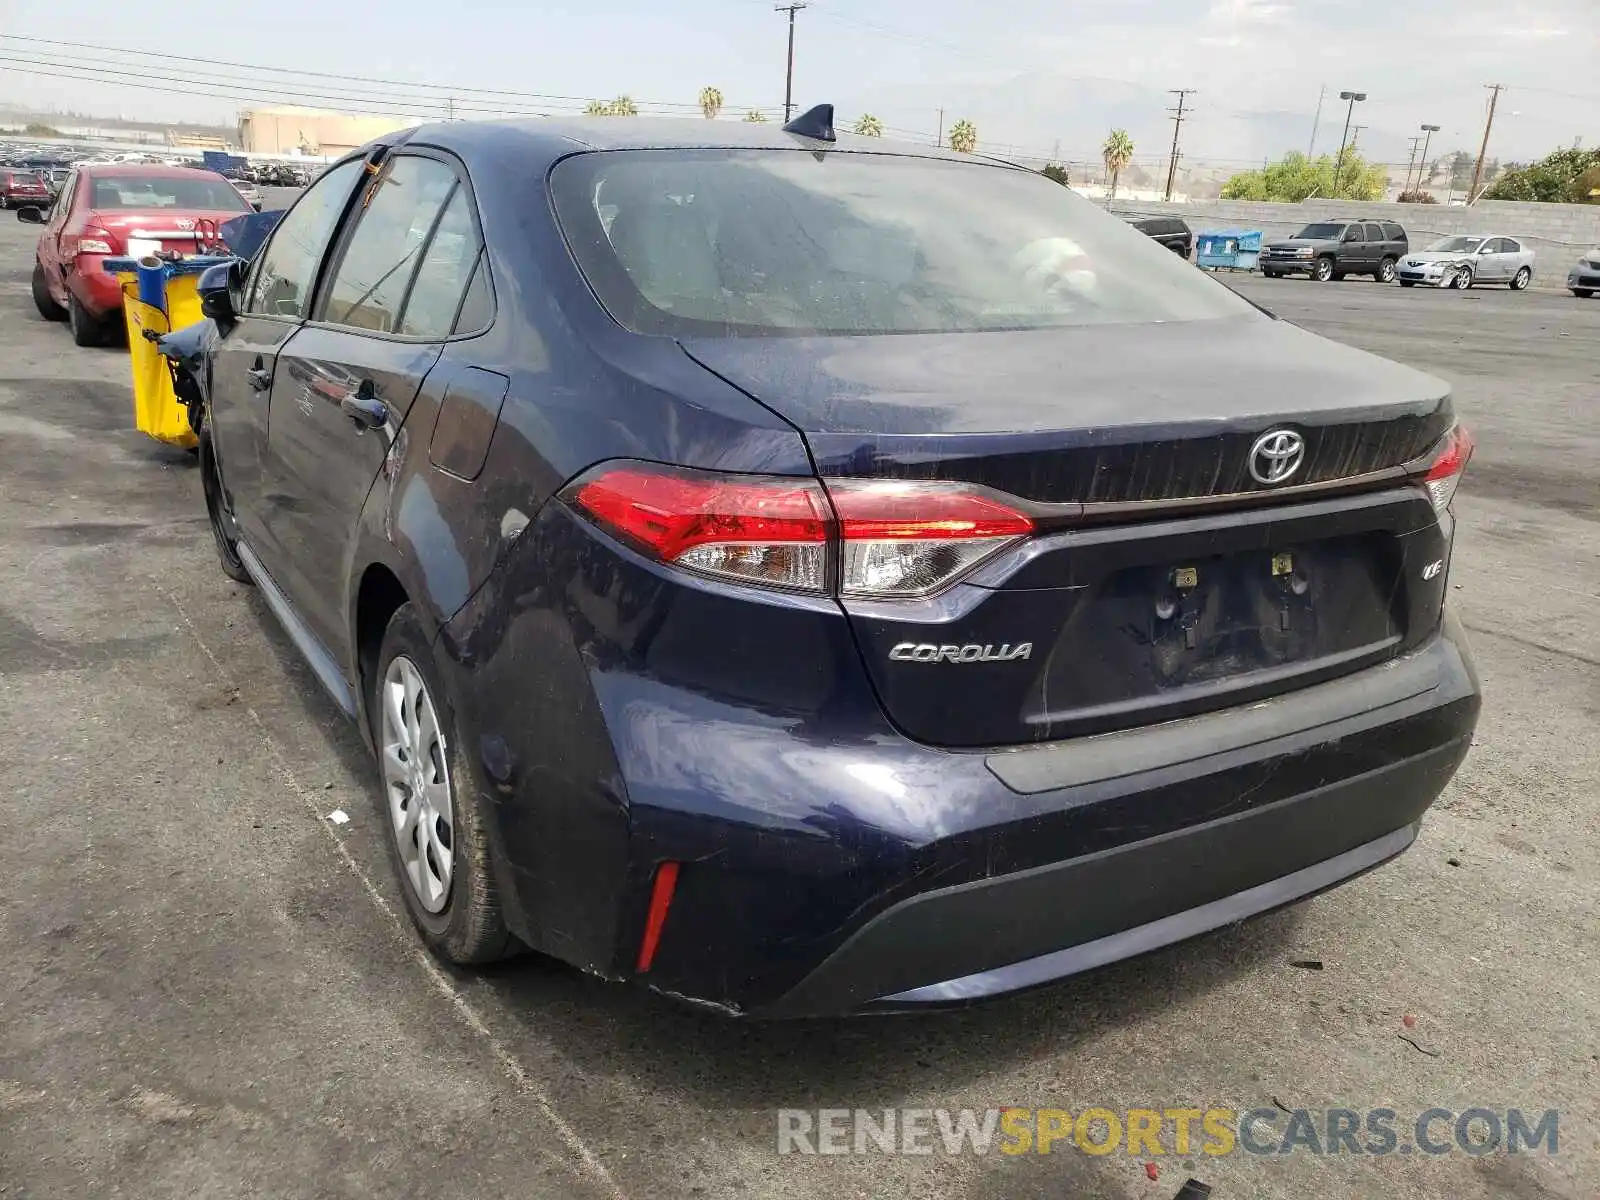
(896, 539)
(905, 538)
(1449, 461)
(758, 529)
(90, 245)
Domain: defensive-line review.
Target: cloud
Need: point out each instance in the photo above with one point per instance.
(1531, 33)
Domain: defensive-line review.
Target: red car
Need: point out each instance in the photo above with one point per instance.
(19, 187)
(118, 209)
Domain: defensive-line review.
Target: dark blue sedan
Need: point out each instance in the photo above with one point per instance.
(809, 574)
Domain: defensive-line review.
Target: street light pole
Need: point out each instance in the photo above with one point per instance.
(791, 8)
(1350, 108)
(1427, 141)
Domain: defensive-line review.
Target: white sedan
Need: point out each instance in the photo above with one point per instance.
(1465, 259)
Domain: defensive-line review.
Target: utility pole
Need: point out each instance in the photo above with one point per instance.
(1411, 162)
(1428, 131)
(791, 8)
(1338, 163)
(450, 109)
(940, 141)
(1311, 150)
(1177, 125)
(1477, 171)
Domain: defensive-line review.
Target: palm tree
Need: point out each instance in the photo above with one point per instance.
(756, 117)
(623, 106)
(868, 125)
(964, 136)
(596, 108)
(710, 102)
(1118, 153)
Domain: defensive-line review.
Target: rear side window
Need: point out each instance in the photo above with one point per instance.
(477, 306)
(382, 254)
(1393, 233)
(1374, 232)
(447, 264)
(287, 269)
(769, 242)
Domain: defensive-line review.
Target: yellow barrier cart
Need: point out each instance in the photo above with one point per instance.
(167, 298)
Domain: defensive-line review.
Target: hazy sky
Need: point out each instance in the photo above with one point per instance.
(1031, 73)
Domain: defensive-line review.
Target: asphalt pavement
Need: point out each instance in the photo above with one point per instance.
(207, 988)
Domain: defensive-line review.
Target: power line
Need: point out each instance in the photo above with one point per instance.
(167, 59)
(1177, 124)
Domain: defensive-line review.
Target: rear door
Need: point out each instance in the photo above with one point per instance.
(1378, 247)
(50, 239)
(346, 381)
(275, 299)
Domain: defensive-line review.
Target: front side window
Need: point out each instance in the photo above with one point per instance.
(1354, 234)
(370, 282)
(1456, 245)
(753, 242)
(287, 269)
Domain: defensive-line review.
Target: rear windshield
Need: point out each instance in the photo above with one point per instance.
(199, 191)
(1322, 231)
(753, 242)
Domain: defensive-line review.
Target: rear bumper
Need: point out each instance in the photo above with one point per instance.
(1150, 836)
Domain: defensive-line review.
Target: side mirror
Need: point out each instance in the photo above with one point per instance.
(216, 294)
(30, 215)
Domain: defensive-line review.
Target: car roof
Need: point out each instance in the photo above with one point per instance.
(557, 137)
(143, 170)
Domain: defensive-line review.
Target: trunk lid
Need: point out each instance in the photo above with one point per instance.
(138, 231)
(1136, 599)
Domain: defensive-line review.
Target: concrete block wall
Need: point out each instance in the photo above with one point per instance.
(1557, 233)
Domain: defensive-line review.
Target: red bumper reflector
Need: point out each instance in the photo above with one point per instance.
(660, 901)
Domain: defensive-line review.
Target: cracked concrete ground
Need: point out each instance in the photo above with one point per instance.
(205, 989)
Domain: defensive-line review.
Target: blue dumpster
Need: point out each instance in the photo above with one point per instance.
(1235, 249)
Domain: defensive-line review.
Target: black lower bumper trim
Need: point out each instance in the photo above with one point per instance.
(1163, 932)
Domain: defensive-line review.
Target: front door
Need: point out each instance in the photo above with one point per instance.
(275, 299)
(347, 380)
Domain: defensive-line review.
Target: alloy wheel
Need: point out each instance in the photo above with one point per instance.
(1521, 279)
(1386, 271)
(416, 783)
(1323, 271)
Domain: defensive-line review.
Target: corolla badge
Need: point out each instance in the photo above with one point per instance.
(1276, 455)
(184, 223)
(927, 652)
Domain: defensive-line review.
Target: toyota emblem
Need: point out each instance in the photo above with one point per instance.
(1276, 456)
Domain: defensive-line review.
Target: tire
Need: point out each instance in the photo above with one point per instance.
(1386, 271)
(1322, 270)
(1408, 283)
(1271, 274)
(1462, 279)
(42, 300)
(219, 514)
(1521, 280)
(1583, 293)
(86, 331)
(455, 906)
